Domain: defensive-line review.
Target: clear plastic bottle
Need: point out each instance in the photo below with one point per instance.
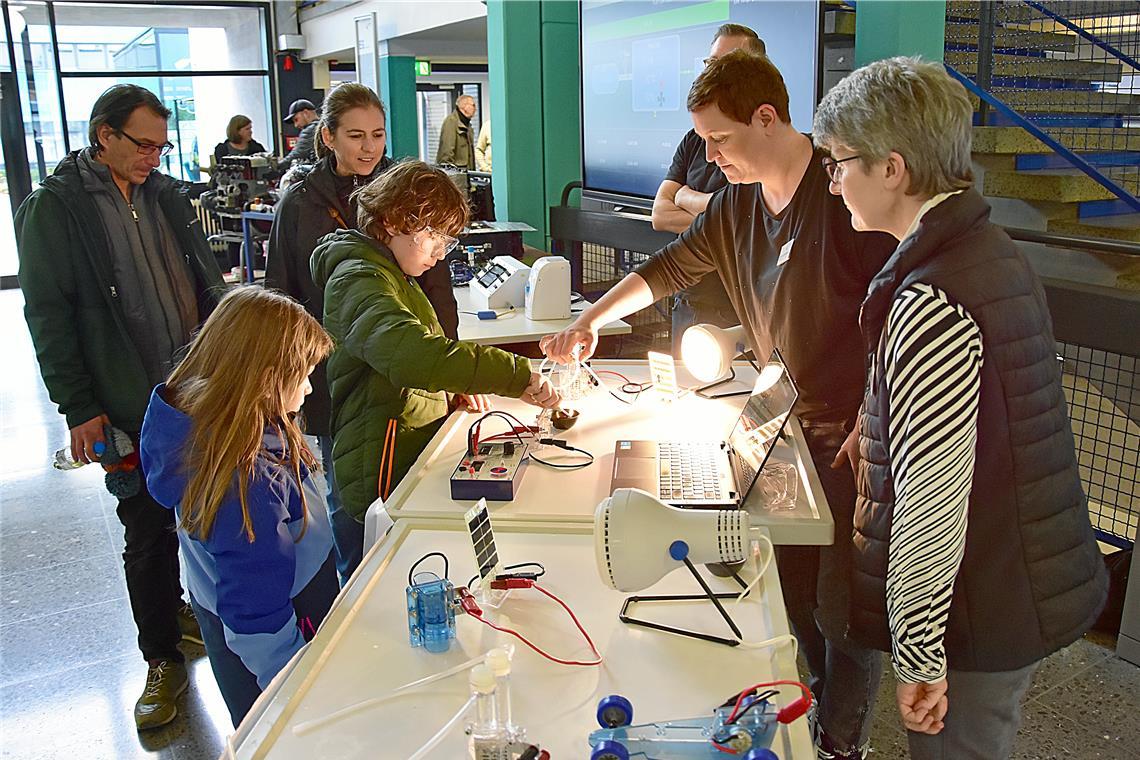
(488, 740)
(62, 459)
(545, 425)
(499, 661)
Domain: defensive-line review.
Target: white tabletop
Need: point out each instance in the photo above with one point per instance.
(362, 651)
(514, 327)
(572, 495)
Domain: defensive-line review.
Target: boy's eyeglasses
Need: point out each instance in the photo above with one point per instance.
(833, 168)
(449, 243)
(149, 149)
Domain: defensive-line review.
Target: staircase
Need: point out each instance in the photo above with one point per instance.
(1069, 70)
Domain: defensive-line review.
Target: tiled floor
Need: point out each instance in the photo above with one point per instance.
(1083, 704)
(70, 672)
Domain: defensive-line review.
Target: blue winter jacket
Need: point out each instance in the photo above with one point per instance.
(249, 586)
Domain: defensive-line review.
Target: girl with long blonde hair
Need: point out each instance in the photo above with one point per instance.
(222, 447)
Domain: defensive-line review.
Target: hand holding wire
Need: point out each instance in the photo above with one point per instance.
(576, 343)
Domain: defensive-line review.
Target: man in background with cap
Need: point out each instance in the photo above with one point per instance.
(303, 115)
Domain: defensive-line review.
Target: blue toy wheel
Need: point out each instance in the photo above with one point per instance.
(610, 750)
(760, 753)
(614, 711)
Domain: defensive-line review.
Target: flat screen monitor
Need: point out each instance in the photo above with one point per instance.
(639, 59)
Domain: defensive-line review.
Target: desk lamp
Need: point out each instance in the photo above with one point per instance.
(708, 351)
(638, 540)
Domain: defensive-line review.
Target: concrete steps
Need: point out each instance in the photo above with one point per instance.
(967, 35)
(1048, 73)
(1064, 185)
(1016, 141)
(1020, 13)
(966, 62)
(1124, 227)
(1079, 102)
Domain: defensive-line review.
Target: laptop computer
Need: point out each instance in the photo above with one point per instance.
(712, 473)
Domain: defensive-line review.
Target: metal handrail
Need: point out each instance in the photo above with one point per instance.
(1074, 242)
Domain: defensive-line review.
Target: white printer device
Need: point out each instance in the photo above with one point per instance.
(548, 289)
(500, 284)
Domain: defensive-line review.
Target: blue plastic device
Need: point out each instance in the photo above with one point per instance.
(431, 615)
(707, 737)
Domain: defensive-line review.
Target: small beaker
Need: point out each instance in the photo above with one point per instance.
(778, 486)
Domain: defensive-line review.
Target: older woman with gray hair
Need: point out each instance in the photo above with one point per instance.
(974, 554)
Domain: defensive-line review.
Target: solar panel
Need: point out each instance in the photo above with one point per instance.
(482, 540)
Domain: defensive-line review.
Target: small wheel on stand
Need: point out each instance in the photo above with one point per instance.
(610, 750)
(614, 711)
(760, 753)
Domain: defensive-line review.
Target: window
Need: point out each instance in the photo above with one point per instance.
(205, 62)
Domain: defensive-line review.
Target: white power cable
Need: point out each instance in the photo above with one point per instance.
(761, 568)
(422, 752)
(312, 725)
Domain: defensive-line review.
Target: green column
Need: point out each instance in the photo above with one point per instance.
(398, 91)
(886, 28)
(533, 65)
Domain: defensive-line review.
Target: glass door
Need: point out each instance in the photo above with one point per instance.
(434, 102)
(15, 178)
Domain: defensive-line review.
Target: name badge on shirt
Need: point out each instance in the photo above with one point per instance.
(785, 252)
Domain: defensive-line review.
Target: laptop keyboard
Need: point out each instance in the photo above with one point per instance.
(690, 470)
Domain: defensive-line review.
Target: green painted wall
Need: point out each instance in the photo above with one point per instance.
(398, 91)
(533, 66)
(886, 28)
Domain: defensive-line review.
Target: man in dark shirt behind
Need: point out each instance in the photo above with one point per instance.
(304, 117)
(684, 194)
(796, 275)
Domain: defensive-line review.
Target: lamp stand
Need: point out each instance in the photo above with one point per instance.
(703, 390)
(628, 619)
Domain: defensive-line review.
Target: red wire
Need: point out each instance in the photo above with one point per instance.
(550, 657)
(615, 374)
(573, 617)
(751, 689)
(512, 435)
(473, 432)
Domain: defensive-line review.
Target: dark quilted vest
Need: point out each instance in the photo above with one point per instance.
(1032, 579)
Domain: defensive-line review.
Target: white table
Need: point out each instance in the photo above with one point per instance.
(571, 496)
(362, 651)
(514, 327)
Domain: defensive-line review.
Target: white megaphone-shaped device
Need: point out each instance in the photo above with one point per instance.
(638, 539)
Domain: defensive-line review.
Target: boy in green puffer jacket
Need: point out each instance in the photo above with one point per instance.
(393, 368)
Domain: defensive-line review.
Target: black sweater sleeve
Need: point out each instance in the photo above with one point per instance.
(436, 284)
(281, 262)
(695, 252)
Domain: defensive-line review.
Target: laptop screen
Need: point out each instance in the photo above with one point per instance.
(760, 422)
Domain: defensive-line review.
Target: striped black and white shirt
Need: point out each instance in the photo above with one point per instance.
(932, 366)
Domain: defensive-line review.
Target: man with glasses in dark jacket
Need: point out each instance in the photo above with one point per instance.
(116, 275)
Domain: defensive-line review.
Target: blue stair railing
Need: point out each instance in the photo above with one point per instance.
(1067, 73)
